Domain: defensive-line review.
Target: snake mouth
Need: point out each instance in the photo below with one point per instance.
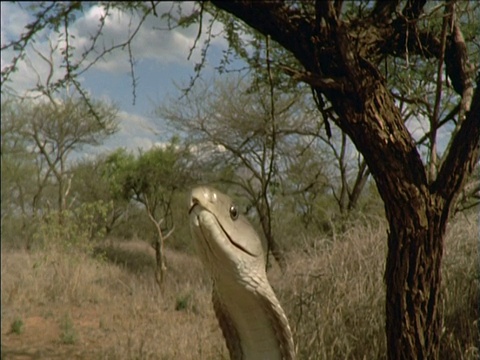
(195, 203)
(233, 242)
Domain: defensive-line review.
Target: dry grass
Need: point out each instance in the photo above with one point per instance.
(335, 297)
(75, 306)
(79, 307)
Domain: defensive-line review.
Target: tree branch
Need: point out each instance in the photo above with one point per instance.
(463, 155)
(434, 120)
(459, 69)
(413, 9)
(274, 18)
(323, 84)
(383, 10)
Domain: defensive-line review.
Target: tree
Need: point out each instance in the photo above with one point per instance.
(345, 189)
(19, 173)
(338, 48)
(152, 179)
(56, 118)
(21, 180)
(38, 139)
(249, 139)
(95, 183)
(339, 56)
(54, 129)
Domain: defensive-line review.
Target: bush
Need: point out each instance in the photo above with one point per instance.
(73, 230)
(17, 326)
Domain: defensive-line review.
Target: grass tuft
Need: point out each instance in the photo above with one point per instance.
(17, 326)
(68, 334)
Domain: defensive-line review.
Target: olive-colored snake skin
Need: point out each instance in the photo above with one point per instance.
(252, 321)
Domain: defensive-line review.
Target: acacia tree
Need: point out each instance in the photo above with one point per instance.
(49, 132)
(55, 120)
(95, 184)
(339, 57)
(17, 162)
(151, 180)
(56, 129)
(251, 139)
(346, 187)
(338, 48)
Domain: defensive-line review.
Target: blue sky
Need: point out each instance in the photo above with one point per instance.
(161, 62)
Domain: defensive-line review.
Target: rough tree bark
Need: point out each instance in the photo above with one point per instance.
(417, 210)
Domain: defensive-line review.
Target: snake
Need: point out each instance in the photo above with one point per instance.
(252, 321)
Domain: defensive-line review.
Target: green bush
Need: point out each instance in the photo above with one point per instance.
(73, 230)
(68, 335)
(17, 326)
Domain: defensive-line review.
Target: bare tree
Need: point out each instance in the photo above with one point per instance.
(351, 175)
(243, 137)
(50, 132)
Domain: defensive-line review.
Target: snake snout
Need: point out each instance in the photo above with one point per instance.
(193, 202)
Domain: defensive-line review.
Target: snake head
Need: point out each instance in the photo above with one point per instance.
(220, 231)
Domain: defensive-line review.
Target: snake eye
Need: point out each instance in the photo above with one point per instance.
(233, 212)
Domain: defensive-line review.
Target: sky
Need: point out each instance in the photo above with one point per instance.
(162, 65)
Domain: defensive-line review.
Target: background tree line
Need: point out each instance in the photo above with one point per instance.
(46, 176)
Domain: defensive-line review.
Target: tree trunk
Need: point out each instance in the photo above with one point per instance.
(263, 209)
(416, 223)
(413, 278)
(417, 212)
(360, 182)
(160, 268)
(158, 246)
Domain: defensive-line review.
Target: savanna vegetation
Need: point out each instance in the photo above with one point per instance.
(350, 157)
(59, 303)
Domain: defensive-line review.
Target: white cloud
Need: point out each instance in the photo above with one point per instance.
(132, 122)
(150, 43)
(13, 20)
(153, 41)
(135, 132)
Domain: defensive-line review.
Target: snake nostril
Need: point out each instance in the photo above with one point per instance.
(193, 202)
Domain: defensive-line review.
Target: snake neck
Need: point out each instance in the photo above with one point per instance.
(253, 322)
